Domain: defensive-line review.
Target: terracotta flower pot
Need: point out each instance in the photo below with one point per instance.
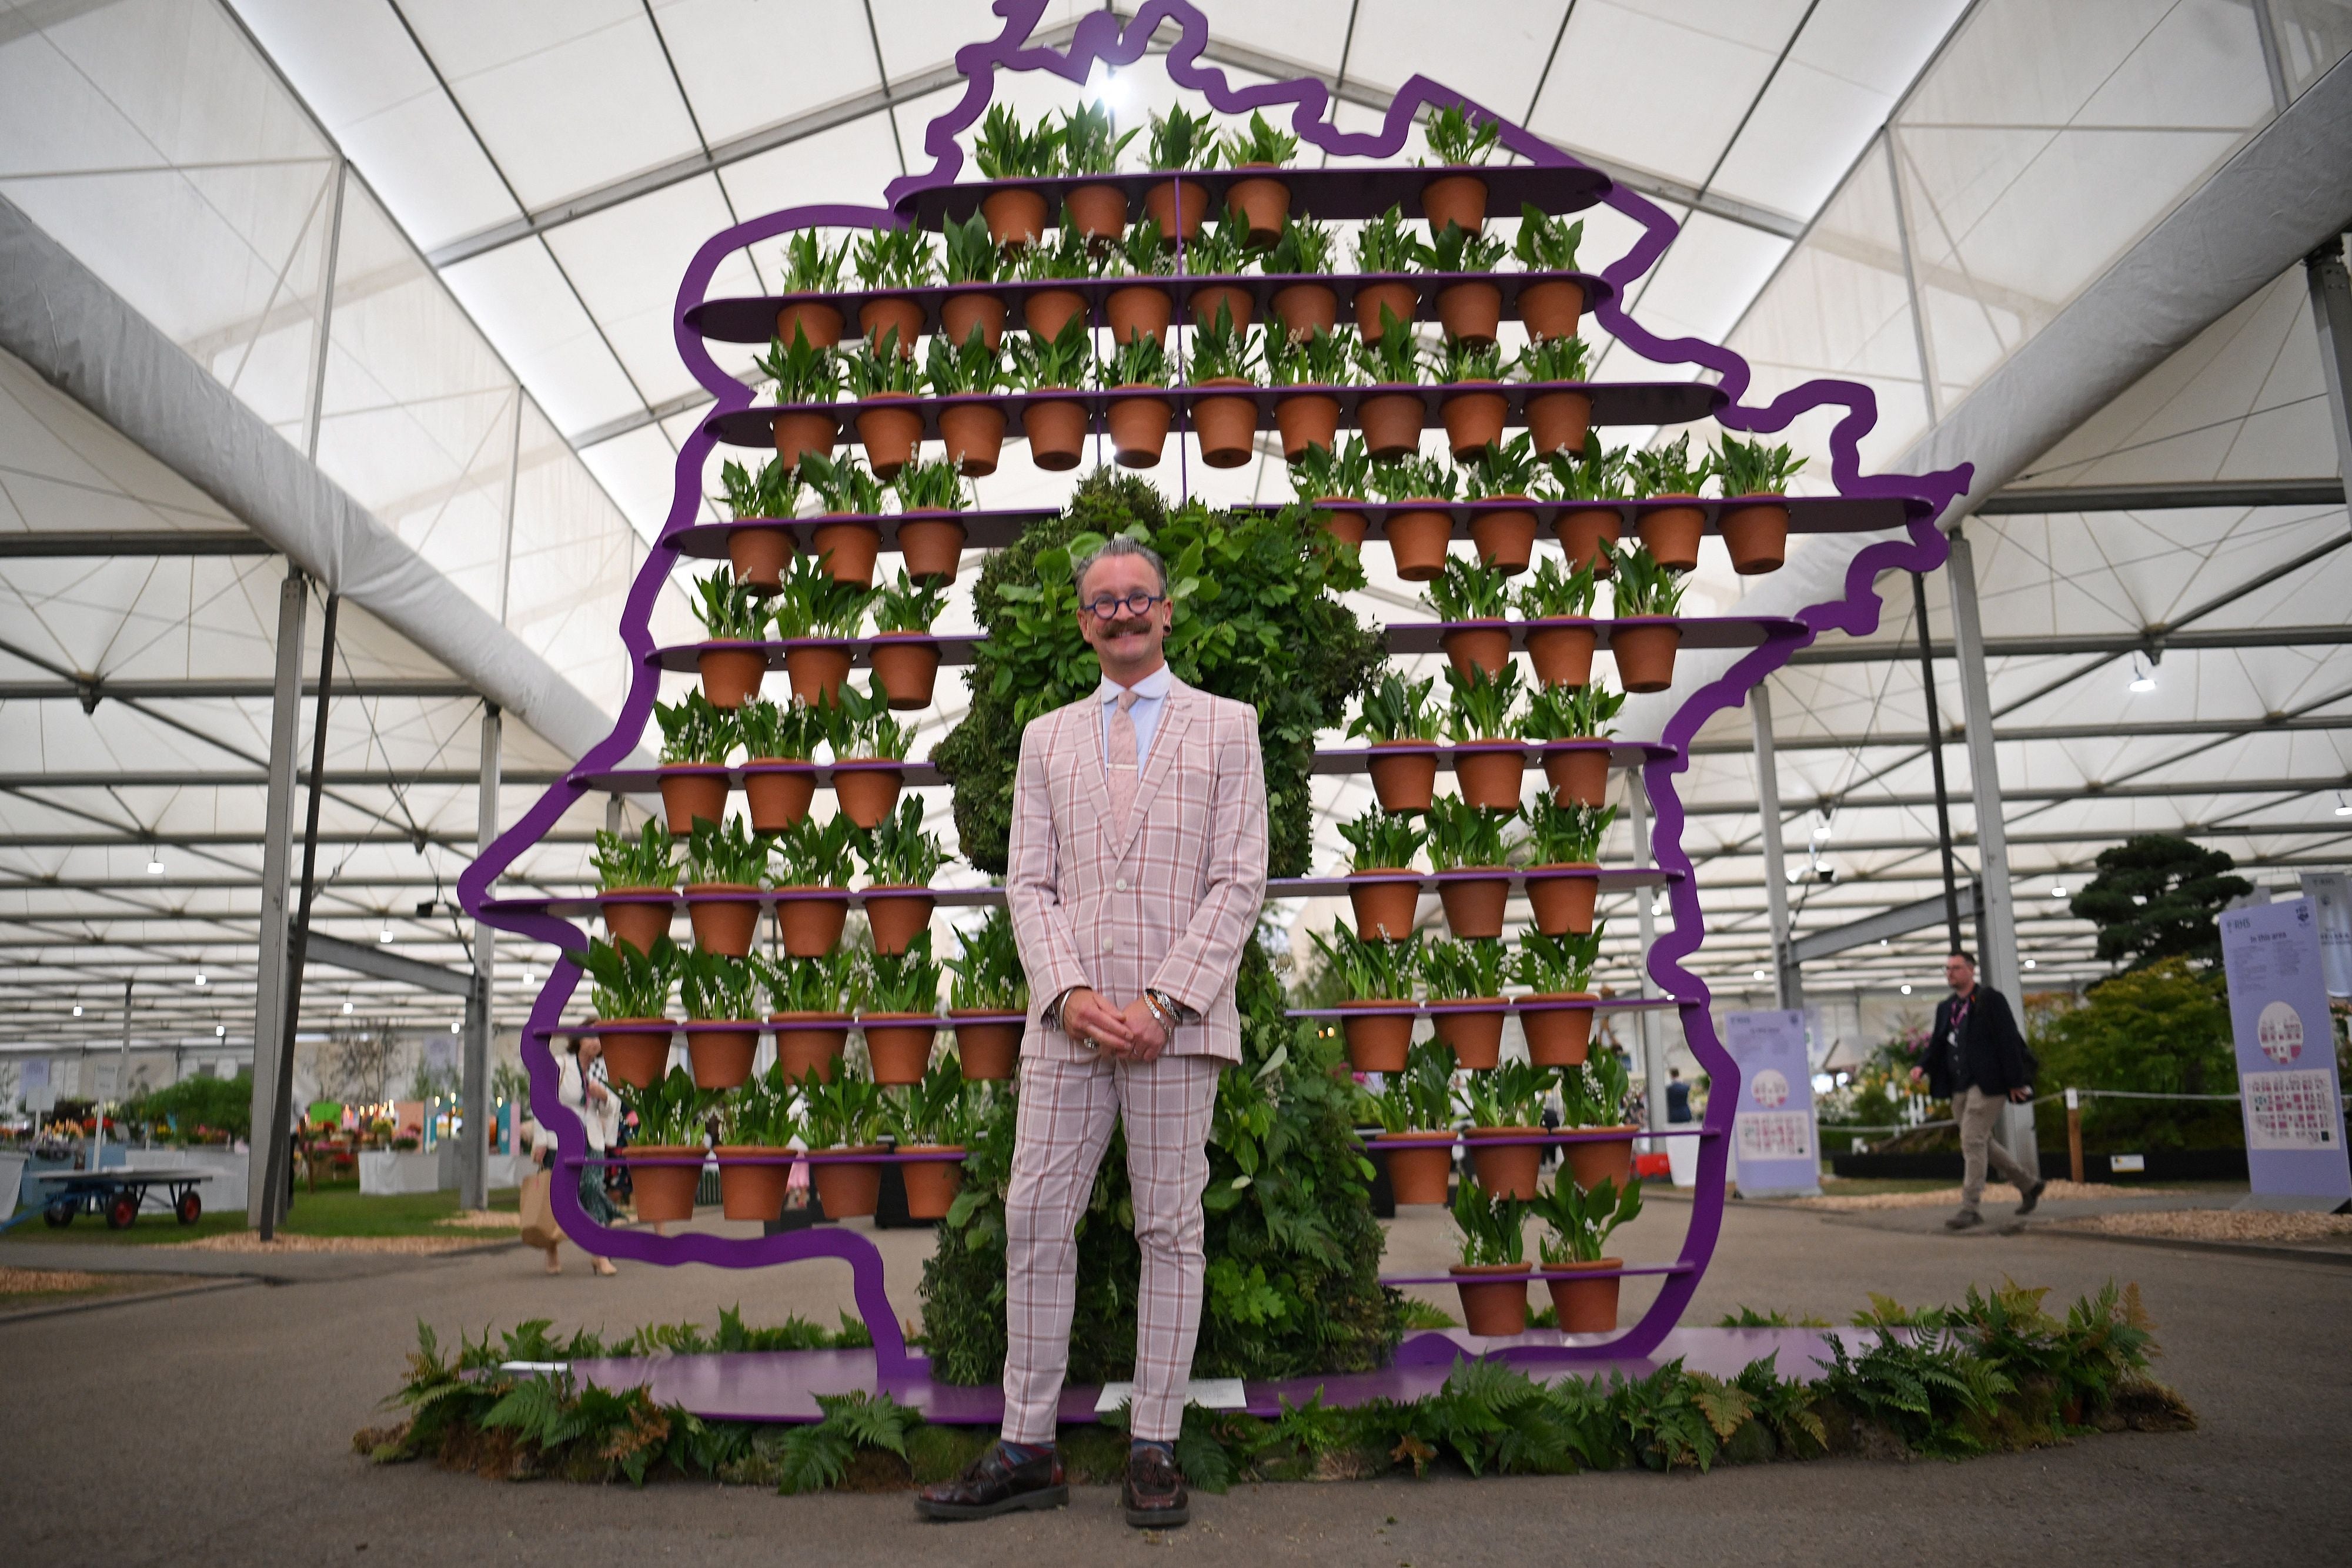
(692, 791)
(973, 433)
(731, 673)
(1490, 773)
(1377, 1041)
(750, 1187)
(848, 1189)
(1302, 308)
(1046, 310)
(1391, 425)
(1178, 206)
(960, 313)
(1454, 199)
(815, 320)
(1586, 1306)
(664, 1192)
(849, 549)
(1138, 429)
(876, 317)
(985, 1049)
(1138, 309)
(1473, 1030)
(1671, 533)
(1404, 774)
(1551, 308)
(1645, 649)
(896, 913)
(1559, 421)
(1583, 530)
(898, 1045)
(1557, 1037)
(1562, 652)
(779, 790)
(1473, 904)
(1472, 419)
(1579, 771)
(1563, 903)
(931, 549)
(1227, 427)
(907, 666)
(811, 928)
(636, 1057)
(802, 433)
(1494, 1297)
(1262, 203)
(869, 794)
(1384, 903)
(1307, 419)
(722, 924)
(1402, 301)
(891, 433)
(808, 1042)
(931, 1182)
(1209, 298)
(1015, 217)
(639, 925)
(1420, 1164)
(1098, 212)
(1481, 645)
(1056, 432)
(1507, 537)
(758, 556)
(1505, 1170)
(1593, 1161)
(1418, 539)
(1756, 532)
(817, 671)
(1348, 526)
(1471, 312)
(722, 1058)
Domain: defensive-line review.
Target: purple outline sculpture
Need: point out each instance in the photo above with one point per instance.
(1100, 39)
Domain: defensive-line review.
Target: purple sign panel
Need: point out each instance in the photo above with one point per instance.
(1772, 1130)
(2293, 1106)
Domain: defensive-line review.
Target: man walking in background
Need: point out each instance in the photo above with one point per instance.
(1135, 874)
(1978, 1060)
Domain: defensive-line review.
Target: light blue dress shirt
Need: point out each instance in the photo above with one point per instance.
(1150, 696)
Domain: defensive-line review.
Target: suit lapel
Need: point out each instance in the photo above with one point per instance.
(1175, 718)
(1086, 748)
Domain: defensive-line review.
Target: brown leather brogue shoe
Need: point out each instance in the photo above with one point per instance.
(1154, 1495)
(994, 1484)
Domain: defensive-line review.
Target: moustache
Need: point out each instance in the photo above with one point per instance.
(1123, 627)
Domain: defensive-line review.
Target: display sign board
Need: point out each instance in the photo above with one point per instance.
(2292, 1104)
(33, 1084)
(2331, 893)
(1772, 1132)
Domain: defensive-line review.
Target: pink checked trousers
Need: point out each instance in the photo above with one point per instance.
(1064, 1121)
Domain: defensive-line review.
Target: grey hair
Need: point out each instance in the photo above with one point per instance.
(1116, 546)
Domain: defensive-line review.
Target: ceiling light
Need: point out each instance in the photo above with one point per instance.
(2057, 890)
(220, 1031)
(1881, 941)
(77, 1009)
(385, 934)
(154, 862)
(2143, 677)
(200, 977)
(1758, 975)
(531, 974)
(454, 1027)
(347, 1006)
(1906, 990)
(2029, 963)
(2343, 807)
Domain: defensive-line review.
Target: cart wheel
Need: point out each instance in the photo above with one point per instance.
(121, 1210)
(189, 1207)
(60, 1212)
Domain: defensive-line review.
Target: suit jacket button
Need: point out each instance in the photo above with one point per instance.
(1110, 944)
(1122, 885)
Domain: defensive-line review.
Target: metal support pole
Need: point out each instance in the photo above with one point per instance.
(282, 1119)
(473, 1138)
(269, 989)
(2331, 312)
(1646, 1028)
(1935, 755)
(1788, 980)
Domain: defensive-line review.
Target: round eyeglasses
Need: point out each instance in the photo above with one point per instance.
(1106, 608)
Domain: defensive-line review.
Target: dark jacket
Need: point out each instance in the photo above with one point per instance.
(1992, 1054)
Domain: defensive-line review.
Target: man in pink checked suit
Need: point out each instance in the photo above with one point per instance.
(1136, 871)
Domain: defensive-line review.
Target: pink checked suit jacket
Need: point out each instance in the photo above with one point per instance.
(1168, 902)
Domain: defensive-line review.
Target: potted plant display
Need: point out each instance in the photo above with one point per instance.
(732, 659)
(989, 992)
(1055, 428)
(905, 654)
(1418, 533)
(1383, 888)
(636, 881)
(815, 616)
(810, 268)
(1389, 414)
(1557, 606)
(869, 754)
(1557, 1012)
(1559, 416)
(1504, 471)
(1219, 253)
(1494, 1272)
(840, 1118)
(1593, 1101)
(1261, 201)
(1572, 724)
(901, 1019)
(1378, 976)
(900, 860)
(726, 867)
(1754, 480)
(810, 1003)
(1005, 149)
(887, 260)
(1142, 309)
(1506, 1106)
(757, 553)
(806, 379)
(1671, 533)
(1224, 355)
(1581, 1222)
(1069, 259)
(1301, 257)
(1139, 424)
(1643, 632)
(1563, 847)
(931, 1121)
(1475, 410)
(1469, 307)
(696, 738)
(1180, 143)
(1090, 144)
(666, 1159)
(1464, 981)
(1549, 307)
(756, 1129)
(720, 994)
(779, 768)
(931, 535)
(1387, 254)
(973, 430)
(885, 383)
(1306, 412)
(815, 868)
(631, 997)
(1335, 479)
(973, 262)
(1458, 141)
(1470, 602)
(1467, 842)
(1489, 757)
(1402, 724)
(1415, 1111)
(849, 532)
(1586, 530)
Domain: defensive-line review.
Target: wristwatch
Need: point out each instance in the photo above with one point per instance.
(1167, 1009)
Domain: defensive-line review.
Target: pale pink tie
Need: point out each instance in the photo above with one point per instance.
(1119, 760)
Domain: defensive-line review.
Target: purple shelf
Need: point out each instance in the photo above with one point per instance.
(984, 529)
(647, 780)
(1541, 1274)
(1347, 191)
(1359, 759)
(1483, 1004)
(955, 649)
(1698, 632)
(1430, 881)
(1807, 514)
(586, 908)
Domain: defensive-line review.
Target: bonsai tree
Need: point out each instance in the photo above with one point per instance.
(1567, 834)
(1345, 475)
(1461, 834)
(714, 987)
(774, 492)
(1398, 709)
(1510, 1096)
(1463, 969)
(1581, 1222)
(629, 984)
(1551, 593)
(1571, 713)
(695, 730)
(800, 372)
(2158, 896)
(1556, 966)
(1421, 1098)
(1594, 1094)
(673, 1113)
(987, 968)
(1752, 468)
(727, 853)
(1370, 971)
(648, 860)
(1480, 705)
(900, 853)
(1383, 841)
(1465, 590)
(730, 612)
(1547, 244)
